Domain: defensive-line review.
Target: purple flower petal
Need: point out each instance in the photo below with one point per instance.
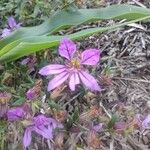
(53, 123)
(139, 119)
(89, 81)
(41, 125)
(77, 80)
(58, 80)
(15, 114)
(25, 61)
(90, 57)
(74, 79)
(67, 48)
(44, 126)
(31, 94)
(18, 25)
(98, 127)
(27, 137)
(45, 132)
(146, 122)
(5, 32)
(52, 69)
(12, 22)
(11, 26)
(40, 120)
(72, 82)
(119, 126)
(57, 125)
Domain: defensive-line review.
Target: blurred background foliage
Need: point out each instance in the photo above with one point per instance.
(33, 12)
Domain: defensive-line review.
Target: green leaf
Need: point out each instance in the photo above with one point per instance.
(73, 17)
(26, 46)
(3, 126)
(75, 116)
(112, 122)
(73, 119)
(53, 104)
(19, 102)
(79, 148)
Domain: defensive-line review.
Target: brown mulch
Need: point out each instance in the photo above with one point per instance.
(126, 52)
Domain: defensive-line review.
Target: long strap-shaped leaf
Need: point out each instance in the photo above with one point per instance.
(33, 44)
(67, 18)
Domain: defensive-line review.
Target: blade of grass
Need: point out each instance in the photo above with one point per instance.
(34, 44)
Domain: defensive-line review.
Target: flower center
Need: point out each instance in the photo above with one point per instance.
(75, 63)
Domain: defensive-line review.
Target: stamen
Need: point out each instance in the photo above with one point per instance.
(75, 63)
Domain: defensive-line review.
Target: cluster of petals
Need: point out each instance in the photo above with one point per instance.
(40, 124)
(11, 26)
(73, 70)
(15, 114)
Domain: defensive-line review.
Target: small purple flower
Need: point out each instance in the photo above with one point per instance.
(143, 122)
(6, 32)
(120, 126)
(15, 114)
(146, 122)
(98, 127)
(31, 94)
(35, 91)
(25, 61)
(41, 125)
(73, 69)
(11, 26)
(30, 63)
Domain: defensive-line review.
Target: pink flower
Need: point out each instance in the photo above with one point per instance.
(41, 125)
(15, 114)
(73, 70)
(12, 25)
